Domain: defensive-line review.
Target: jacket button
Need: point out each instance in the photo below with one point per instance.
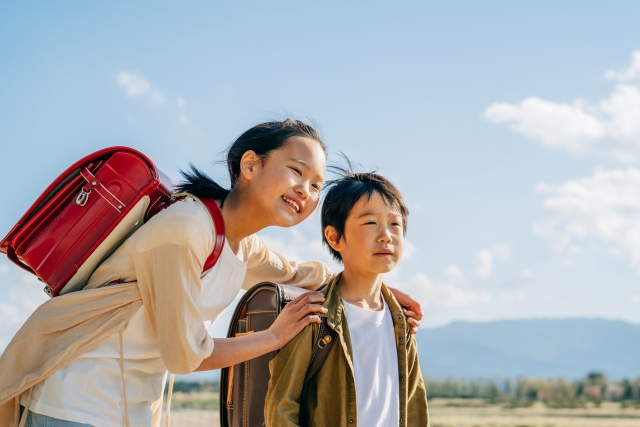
(401, 379)
(351, 421)
(400, 420)
(400, 339)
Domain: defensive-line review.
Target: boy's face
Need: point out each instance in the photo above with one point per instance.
(373, 239)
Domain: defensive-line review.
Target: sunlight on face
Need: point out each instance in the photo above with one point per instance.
(373, 239)
(289, 180)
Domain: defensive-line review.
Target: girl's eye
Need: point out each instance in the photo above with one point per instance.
(316, 186)
(370, 222)
(296, 170)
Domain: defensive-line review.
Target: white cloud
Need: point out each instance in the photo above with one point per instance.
(430, 293)
(635, 298)
(180, 102)
(610, 127)
(501, 250)
(22, 294)
(514, 295)
(632, 72)
(409, 250)
(454, 273)
(603, 208)
(184, 119)
(484, 264)
(526, 274)
(136, 85)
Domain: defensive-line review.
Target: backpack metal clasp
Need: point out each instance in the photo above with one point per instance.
(82, 198)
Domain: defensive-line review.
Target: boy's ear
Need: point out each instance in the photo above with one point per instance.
(247, 164)
(331, 235)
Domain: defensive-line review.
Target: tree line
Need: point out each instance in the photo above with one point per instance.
(554, 393)
(594, 389)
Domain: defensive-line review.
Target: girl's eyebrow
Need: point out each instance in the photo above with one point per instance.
(305, 164)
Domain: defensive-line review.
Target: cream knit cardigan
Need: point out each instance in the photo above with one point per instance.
(162, 265)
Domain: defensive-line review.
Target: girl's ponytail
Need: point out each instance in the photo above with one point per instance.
(201, 185)
(261, 139)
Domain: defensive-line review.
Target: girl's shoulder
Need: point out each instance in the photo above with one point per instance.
(186, 222)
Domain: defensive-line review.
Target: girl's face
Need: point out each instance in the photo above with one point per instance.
(287, 184)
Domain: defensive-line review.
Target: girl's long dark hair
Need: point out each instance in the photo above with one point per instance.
(261, 139)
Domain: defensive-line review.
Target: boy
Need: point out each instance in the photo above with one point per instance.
(371, 376)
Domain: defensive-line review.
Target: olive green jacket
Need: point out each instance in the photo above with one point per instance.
(330, 397)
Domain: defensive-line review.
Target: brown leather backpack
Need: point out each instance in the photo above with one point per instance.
(243, 387)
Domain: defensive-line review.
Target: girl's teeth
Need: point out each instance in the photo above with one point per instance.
(291, 203)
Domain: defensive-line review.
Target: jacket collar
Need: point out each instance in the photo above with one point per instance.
(333, 303)
(336, 309)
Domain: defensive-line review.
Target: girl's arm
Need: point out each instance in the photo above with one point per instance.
(265, 265)
(292, 320)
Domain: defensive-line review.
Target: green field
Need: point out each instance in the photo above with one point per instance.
(199, 409)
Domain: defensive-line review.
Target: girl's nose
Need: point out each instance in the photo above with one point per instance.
(303, 191)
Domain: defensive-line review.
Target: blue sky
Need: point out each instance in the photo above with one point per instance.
(510, 127)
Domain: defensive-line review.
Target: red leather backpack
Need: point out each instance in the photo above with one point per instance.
(87, 212)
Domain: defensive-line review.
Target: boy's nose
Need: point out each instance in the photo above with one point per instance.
(385, 236)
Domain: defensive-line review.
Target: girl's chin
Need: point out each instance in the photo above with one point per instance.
(287, 220)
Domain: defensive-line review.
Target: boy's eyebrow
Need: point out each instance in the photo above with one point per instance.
(376, 213)
(367, 213)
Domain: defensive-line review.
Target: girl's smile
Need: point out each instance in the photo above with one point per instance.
(284, 187)
(295, 205)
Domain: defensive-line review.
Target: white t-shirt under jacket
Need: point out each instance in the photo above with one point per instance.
(375, 364)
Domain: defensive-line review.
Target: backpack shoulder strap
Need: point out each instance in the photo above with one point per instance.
(322, 346)
(218, 224)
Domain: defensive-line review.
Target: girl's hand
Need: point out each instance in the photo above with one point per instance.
(413, 310)
(296, 315)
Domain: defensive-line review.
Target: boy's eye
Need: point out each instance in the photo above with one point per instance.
(370, 222)
(296, 170)
(317, 186)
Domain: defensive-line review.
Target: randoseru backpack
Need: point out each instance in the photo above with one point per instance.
(243, 387)
(87, 212)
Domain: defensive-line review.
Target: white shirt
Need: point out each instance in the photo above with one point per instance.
(375, 364)
(92, 383)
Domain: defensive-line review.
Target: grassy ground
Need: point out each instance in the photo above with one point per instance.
(477, 413)
(201, 410)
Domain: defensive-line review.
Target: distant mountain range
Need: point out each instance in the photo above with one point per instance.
(547, 348)
(567, 348)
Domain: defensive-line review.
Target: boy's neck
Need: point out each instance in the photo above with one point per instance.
(361, 290)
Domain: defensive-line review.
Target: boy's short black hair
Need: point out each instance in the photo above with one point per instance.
(343, 193)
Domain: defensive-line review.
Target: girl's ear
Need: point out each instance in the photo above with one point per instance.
(331, 235)
(247, 164)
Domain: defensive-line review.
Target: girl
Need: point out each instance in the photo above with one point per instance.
(157, 320)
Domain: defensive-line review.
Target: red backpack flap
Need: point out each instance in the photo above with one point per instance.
(84, 215)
